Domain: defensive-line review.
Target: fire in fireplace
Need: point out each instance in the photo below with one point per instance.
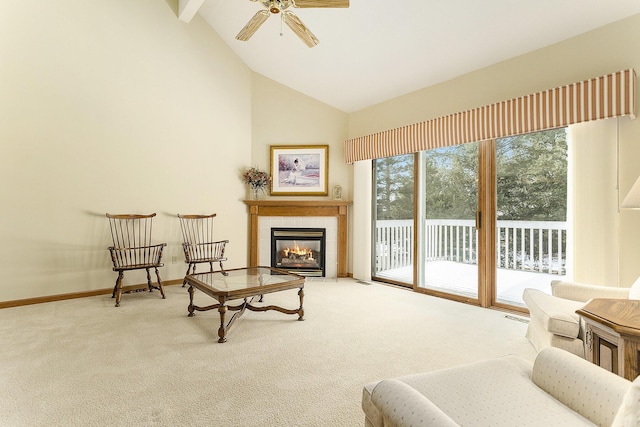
(299, 250)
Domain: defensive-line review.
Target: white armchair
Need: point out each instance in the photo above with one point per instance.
(558, 389)
(553, 319)
(585, 292)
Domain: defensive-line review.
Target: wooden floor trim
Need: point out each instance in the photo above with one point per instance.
(74, 295)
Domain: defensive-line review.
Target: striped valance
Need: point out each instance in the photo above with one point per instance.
(599, 98)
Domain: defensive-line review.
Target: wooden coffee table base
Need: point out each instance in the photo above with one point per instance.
(246, 305)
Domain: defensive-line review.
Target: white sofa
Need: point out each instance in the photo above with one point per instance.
(558, 389)
(553, 319)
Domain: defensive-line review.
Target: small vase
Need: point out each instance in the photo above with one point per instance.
(256, 193)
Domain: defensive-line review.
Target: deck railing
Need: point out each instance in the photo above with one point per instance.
(522, 245)
(394, 244)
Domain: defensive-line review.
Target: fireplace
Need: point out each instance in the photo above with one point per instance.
(330, 214)
(299, 250)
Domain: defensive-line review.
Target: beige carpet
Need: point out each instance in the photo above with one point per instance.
(84, 362)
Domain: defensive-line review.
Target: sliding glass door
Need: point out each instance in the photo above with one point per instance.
(450, 201)
(492, 218)
(393, 232)
(531, 226)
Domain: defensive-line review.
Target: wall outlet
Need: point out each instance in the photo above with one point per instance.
(174, 260)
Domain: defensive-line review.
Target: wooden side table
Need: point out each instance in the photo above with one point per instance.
(612, 335)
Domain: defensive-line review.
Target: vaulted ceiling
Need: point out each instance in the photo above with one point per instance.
(376, 50)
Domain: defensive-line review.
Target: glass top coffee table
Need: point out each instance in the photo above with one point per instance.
(246, 284)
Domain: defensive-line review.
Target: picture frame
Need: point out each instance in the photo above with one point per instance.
(299, 170)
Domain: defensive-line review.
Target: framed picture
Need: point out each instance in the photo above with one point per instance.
(299, 170)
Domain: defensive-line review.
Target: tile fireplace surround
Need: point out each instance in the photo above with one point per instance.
(329, 214)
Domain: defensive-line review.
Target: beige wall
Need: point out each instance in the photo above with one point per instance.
(117, 106)
(284, 116)
(113, 106)
(604, 50)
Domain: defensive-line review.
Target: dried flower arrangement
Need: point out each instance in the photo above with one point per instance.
(256, 179)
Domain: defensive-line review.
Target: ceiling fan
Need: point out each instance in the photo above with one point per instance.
(280, 7)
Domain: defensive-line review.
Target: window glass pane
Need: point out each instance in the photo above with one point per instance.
(393, 233)
(451, 238)
(531, 234)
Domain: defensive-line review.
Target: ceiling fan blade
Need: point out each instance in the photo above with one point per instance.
(299, 28)
(320, 3)
(253, 25)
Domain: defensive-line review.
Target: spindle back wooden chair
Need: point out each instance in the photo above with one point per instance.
(199, 244)
(132, 249)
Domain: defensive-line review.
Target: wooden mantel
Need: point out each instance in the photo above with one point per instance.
(320, 207)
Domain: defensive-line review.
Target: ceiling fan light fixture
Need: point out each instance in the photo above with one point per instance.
(276, 6)
(280, 6)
